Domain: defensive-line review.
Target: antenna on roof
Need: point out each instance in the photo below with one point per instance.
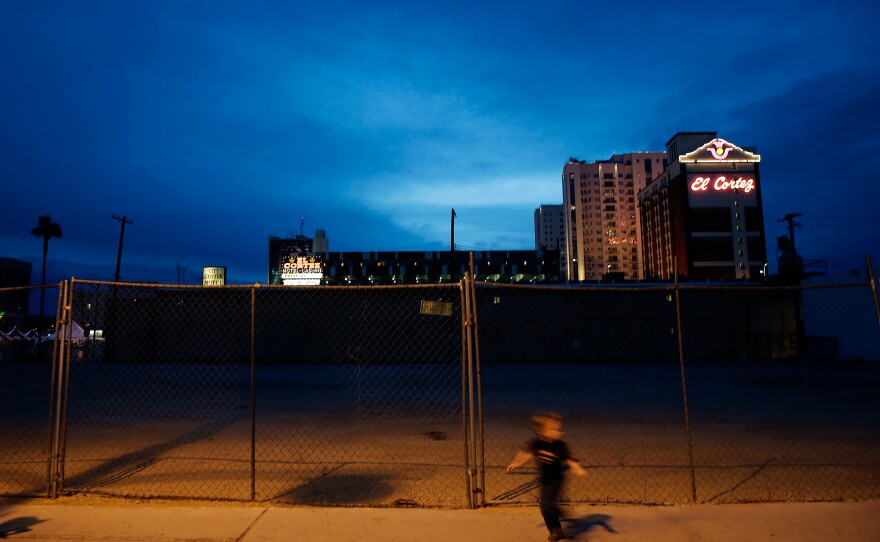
(302, 222)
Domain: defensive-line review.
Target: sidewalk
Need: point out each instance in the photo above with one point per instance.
(801, 522)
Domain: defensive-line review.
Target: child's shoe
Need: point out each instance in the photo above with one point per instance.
(556, 535)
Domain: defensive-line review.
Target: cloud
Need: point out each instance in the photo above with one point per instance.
(818, 143)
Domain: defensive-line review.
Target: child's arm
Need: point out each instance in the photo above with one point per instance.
(521, 458)
(576, 468)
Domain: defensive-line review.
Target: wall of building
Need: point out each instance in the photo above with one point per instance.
(603, 232)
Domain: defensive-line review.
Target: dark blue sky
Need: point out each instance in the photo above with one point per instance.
(213, 125)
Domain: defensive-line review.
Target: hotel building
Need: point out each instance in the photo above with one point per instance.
(549, 227)
(702, 218)
(602, 231)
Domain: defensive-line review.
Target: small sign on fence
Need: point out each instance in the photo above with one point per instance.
(437, 308)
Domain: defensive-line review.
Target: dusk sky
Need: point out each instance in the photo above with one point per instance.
(213, 125)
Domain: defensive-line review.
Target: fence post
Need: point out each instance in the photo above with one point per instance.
(468, 329)
(65, 409)
(57, 412)
(873, 287)
(253, 396)
(51, 464)
(476, 334)
(687, 420)
(464, 394)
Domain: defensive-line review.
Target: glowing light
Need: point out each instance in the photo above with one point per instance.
(302, 271)
(722, 183)
(719, 152)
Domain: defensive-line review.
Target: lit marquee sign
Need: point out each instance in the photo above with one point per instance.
(213, 276)
(718, 150)
(721, 183)
(302, 271)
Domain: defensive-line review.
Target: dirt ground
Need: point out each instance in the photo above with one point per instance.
(326, 439)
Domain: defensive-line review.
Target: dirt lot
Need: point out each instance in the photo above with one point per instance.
(391, 436)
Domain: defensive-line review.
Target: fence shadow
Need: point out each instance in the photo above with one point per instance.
(133, 462)
(337, 489)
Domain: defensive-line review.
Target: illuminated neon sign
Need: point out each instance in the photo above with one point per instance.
(722, 184)
(718, 150)
(302, 271)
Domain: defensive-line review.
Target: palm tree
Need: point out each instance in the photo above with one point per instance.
(47, 230)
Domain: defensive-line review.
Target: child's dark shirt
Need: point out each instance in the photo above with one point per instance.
(551, 456)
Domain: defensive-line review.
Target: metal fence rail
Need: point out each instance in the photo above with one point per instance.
(420, 395)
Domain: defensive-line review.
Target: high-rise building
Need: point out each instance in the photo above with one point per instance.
(321, 242)
(549, 227)
(702, 219)
(602, 231)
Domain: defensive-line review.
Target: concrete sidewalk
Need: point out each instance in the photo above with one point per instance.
(801, 522)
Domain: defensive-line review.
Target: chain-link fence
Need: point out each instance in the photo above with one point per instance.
(779, 393)
(326, 395)
(604, 358)
(26, 383)
(421, 395)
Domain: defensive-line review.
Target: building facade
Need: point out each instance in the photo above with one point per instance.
(702, 218)
(431, 267)
(602, 224)
(549, 227)
(14, 304)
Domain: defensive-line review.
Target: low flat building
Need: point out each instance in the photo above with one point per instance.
(15, 273)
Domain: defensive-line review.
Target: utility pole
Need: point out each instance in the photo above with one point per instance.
(791, 226)
(181, 273)
(452, 245)
(124, 221)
